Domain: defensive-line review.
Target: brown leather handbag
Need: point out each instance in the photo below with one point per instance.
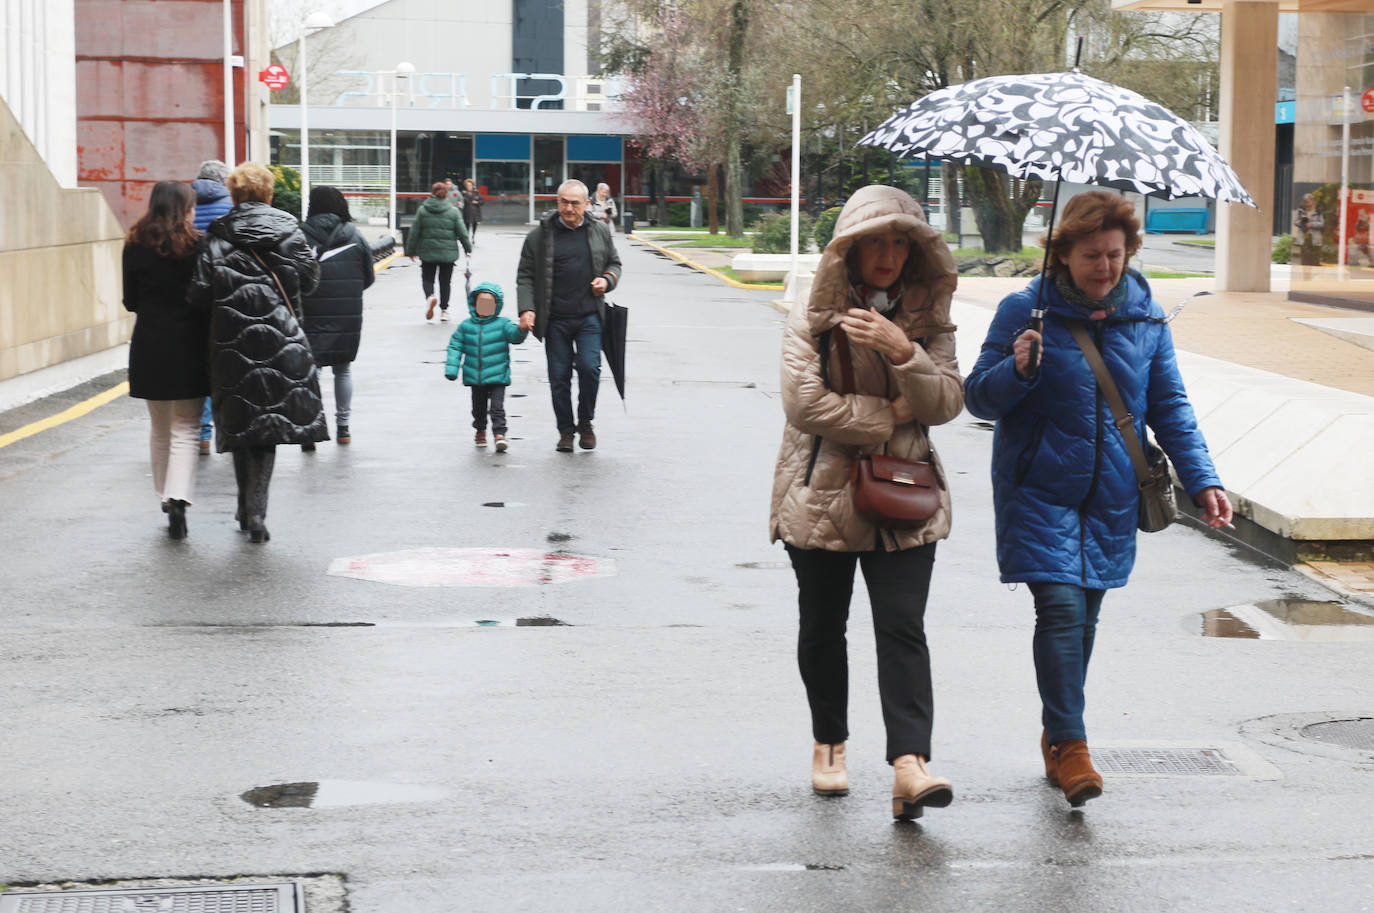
(889, 492)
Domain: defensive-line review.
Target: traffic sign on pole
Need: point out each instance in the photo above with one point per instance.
(274, 76)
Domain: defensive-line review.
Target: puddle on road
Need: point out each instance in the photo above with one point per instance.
(794, 867)
(502, 504)
(1290, 619)
(533, 621)
(765, 565)
(337, 794)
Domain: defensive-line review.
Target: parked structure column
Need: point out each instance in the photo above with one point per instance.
(1249, 83)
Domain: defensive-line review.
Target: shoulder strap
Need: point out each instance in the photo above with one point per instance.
(846, 362)
(1124, 421)
(284, 297)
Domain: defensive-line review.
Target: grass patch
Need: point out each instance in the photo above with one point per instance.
(727, 271)
(1174, 274)
(721, 241)
(1197, 242)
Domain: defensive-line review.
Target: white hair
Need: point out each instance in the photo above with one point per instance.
(575, 184)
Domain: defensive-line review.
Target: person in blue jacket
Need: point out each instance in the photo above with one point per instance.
(212, 201)
(1064, 489)
(481, 346)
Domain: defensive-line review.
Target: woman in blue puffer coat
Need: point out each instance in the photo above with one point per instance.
(481, 347)
(1063, 482)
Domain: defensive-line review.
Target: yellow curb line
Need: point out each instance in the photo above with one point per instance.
(384, 263)
(66, 415)
(705, 269)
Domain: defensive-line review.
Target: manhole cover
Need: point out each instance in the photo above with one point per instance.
(1168, 762)
(239, 898)
(1346, 733)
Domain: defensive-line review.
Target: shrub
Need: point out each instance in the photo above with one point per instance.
(1283, 249)
(678, 214)
(825, 227)
(773, 233)
(286, 191)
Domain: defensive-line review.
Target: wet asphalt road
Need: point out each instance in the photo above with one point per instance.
(653, 752)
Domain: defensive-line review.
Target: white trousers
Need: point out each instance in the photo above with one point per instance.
(174, 445)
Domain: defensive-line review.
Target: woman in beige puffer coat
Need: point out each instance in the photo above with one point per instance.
(885, 279)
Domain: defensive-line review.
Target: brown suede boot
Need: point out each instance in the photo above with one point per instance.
(828, 776)
(1077, 777)
(915, 788)
(1051, 763)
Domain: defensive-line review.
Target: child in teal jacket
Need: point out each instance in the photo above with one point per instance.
(481, 344)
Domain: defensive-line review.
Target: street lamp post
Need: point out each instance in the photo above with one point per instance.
(314, 22)
(402, 71)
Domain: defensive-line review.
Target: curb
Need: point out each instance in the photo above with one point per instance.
(674, 255)
(385, 262)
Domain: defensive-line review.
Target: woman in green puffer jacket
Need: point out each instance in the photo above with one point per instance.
(481, 344)
(434, 237)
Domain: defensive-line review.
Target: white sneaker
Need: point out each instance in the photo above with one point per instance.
(443, 316)
(432, 302)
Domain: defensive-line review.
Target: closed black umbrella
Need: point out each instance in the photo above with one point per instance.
(613, 343)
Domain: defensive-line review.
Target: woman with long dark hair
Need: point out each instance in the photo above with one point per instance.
(265, 387)
(168, 354)
(334, 310)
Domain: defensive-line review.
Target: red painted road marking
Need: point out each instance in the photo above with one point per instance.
(493, 567)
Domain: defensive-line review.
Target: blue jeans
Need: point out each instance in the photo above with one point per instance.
(573, 342)
(207, 421)
(1065, 625)
(343, 392)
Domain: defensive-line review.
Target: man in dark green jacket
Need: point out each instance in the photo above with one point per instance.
(567, 266)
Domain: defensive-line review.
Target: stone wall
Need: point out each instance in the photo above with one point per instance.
(60, 295)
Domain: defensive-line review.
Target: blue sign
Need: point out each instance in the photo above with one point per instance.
(1285, 112)
(594, 149)
(508, 147)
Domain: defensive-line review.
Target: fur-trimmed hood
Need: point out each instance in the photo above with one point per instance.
(929, 277)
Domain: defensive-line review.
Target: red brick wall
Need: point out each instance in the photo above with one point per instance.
(150, 94)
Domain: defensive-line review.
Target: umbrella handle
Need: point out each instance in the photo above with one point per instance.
(1033, 366)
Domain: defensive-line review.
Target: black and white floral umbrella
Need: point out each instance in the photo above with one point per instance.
(1063, 127)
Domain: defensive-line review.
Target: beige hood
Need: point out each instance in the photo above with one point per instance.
(929, 278)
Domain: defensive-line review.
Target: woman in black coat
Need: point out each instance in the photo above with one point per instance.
(168, 355)
(263, 382)
(334, 311)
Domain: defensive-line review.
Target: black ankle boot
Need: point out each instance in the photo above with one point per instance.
(176, 519)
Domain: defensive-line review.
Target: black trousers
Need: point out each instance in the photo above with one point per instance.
(445, 271)
(489, 397)
(898, 583)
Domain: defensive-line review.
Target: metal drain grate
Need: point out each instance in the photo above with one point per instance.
(1346, 733)
(247, 898)
(1168, 762)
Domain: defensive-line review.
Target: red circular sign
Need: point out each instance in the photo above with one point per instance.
(1367, 100)
(274, 76)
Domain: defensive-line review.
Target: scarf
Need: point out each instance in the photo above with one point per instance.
(1077, 299)
(882, 300)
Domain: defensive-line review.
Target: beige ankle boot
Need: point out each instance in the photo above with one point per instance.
(828, 776)
(915, 788)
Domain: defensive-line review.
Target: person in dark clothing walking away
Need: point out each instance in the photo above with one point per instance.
(263, 379)
(168, 354)
(434, 238)
(481, 347)
(212, 201)
(334, 311)
(567, 266)
(472, 208)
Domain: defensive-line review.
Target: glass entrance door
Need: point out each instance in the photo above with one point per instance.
(505, 188)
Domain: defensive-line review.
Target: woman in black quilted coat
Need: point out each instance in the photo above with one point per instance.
(334, 311)
(264, 386)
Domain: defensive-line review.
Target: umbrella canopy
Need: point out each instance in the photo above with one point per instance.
(1063, 127)
(613, 343)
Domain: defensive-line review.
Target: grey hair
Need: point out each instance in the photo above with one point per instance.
(213, 170)
(574, 182)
